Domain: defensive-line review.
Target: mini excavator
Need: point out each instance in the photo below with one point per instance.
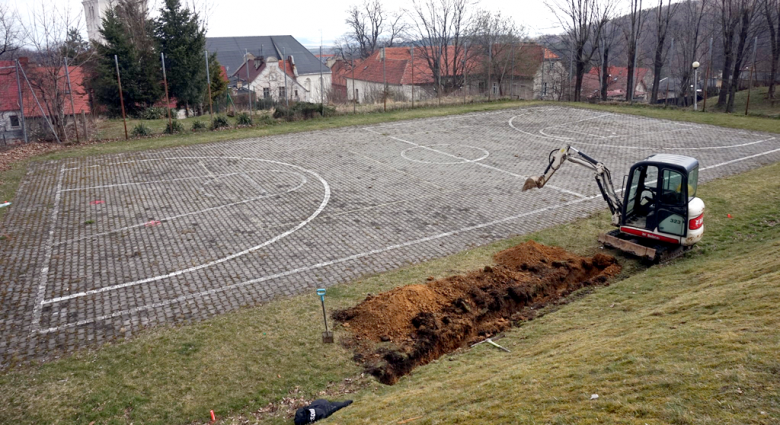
(658, 217)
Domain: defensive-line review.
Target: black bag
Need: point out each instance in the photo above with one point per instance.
(318, 409)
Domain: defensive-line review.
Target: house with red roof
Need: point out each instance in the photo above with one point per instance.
(527, 79)
(617, 81)
(53, 98)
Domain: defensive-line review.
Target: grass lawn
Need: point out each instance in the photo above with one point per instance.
(736, 120)
(759, 104)
(693, 341)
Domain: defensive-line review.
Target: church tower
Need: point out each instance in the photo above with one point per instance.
(93, 11)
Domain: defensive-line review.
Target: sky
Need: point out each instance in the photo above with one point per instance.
(304, 19)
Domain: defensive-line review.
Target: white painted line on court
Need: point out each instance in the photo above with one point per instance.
(725, 147)
(740, 159)
(107, 186)
(174, 217)
(396, 169)
(321, 207)
(522, 177)
(40, 295)
(312, 267)
(485, 154)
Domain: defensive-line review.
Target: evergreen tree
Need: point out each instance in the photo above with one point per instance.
(183, 40)
(219, 82)
(138, 67)
(75, 47)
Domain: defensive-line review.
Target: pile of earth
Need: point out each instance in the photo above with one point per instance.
(395, 331)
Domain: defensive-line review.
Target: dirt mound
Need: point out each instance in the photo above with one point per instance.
(395, 331)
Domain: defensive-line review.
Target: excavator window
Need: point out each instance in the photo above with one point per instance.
(673, 192)
(641, 198)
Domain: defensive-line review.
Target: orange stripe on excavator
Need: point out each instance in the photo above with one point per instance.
(648, 235)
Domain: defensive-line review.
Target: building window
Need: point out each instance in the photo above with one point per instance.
(357, 95)
(296, 93)
(544, 89)
(266, 93)
(283, 92)
(14, 121)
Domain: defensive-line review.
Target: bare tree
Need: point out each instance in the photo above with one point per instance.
(440, 29)
(662, 19)
(632, 31)
(607, 43)
(689, 41)
(771, 12)
(372, 27)
(496, 36)
(582, 21)
(47, 34)
(9, 30)
(737, 17)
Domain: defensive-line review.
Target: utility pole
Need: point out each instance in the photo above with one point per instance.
(384, 80)
(72, 108)
(208, 81)
(249, 92)
(21, 101)
(121, 98)
(542, 90)
(286, 95)
(412, 77)
(322, 82)
(354, 89)
(465, 73)
(571, 70)
(512, 75)
(490, 67)
(167, 99)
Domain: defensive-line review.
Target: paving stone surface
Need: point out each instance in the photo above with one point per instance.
(102, 247)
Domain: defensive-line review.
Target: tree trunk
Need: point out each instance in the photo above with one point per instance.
(774, 43)
(740, 54)
(604, 75)
(630, 76)
(658, 64)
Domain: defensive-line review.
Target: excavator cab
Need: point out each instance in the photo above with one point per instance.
(660, 200)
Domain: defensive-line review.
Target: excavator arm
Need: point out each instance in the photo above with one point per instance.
(602, 174)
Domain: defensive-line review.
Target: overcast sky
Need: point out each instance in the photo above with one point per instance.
(304, 19)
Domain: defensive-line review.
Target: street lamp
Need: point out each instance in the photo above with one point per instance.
(695, 77)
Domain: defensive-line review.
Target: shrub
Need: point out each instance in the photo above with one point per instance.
(243, 118)
(265, 119)
(198, 126)
(174, 127)
(154, 113)
(219, 122)
(141, 131)
(303, 110)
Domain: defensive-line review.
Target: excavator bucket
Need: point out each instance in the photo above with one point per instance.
(532, 183)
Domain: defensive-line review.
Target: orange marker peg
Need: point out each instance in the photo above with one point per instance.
(213, 418)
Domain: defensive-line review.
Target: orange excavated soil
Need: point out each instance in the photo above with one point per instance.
(395, 331)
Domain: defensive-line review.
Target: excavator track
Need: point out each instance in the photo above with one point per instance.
(651, 251)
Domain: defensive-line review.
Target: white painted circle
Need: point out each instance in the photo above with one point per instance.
(457, 159)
